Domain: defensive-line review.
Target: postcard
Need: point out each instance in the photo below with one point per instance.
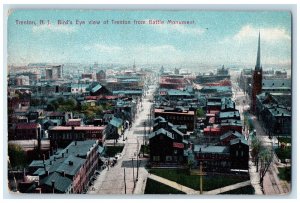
(132, 102)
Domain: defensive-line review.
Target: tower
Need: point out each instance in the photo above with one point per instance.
(257, 78)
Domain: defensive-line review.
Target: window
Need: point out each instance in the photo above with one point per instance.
(242, 153)
(168, 158)
(156, 158)
(237, 153)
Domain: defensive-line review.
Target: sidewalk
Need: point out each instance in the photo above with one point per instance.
(173, 185)
(228, 188)
(254, 177)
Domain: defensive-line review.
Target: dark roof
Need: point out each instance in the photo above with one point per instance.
(61, 183)
(227, 103)
(174, 92)
(71, 165)
(235, 133)
(278, 110)
(54, 113)
(160, 132)
(60, 162)
(96, 88)
(229, 114)
(117, 122)
(276, 83)
(27, 125)
(159, 118)
(237, 140)
(211, 149)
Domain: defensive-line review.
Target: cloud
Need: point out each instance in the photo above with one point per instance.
(249, 32)
(104, 48)
(53, 28)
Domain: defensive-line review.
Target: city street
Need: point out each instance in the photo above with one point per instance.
(271, 184)
(112, 180)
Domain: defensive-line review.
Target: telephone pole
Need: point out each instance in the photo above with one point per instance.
(133, 173)
(124, 181)
(201, 178)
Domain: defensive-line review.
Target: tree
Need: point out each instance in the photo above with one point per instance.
(266, 157)
(200, 112)
(17, 156)
(256, 149)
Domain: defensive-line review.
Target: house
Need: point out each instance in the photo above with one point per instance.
(228, 136)
(213, 158)
(99, 90)
(239, 154)
(63, 135)
(178, 116)
(26, 131)
(114, 128)
(167, 147)
(68, 171)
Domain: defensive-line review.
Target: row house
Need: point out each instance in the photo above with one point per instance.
(25, 131)
(63, 135)
(178, 116)
(217, 158)
(68, 171)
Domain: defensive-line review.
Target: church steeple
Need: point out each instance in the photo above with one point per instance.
(258, 64)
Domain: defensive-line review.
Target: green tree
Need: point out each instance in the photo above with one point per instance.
(17, 156)
(200, 112)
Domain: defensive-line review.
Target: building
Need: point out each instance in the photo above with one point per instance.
(223, 158)
(101, 76)
(167, 147)
(98, 90)
(114, 128)
(26, 131)
(239, 154)
(213, 158)
(22, 80)
(68, 171)
(257, 79)
(276, 85)
(63, 135)
(178, 116)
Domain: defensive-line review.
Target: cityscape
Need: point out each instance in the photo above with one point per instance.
(149, 102)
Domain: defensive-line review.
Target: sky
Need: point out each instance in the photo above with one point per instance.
(216, 37)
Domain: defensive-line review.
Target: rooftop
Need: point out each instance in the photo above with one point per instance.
(211, 149)
(27, 125)
(161, 131)
(77, 128)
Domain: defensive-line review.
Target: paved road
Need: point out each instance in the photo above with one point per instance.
(271, 184)
(111, 180)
